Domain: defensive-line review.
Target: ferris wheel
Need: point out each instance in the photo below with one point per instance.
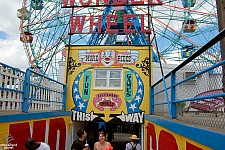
(179, 28)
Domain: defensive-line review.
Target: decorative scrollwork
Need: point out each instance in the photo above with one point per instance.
(72, 65)
(144, 66)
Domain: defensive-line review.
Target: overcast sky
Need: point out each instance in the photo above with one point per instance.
(11, 49)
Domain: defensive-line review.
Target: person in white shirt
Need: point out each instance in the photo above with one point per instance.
(134, 145)
(31, 144)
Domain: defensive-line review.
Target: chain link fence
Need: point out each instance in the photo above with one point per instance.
(192, 92)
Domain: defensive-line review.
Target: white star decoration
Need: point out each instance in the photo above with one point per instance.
(79, 75)
(75, 90)
(140, 91)
(132, 106)
(137, 75)
(81, 105)
(137, 98)
(76, 82)
(77, 97)
(139, 82)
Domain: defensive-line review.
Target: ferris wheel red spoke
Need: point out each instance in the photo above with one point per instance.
(25, 42)
(47, 25)
(46, 19)
(49, 48)
(178, 33)
(191, 10)
(184, 37)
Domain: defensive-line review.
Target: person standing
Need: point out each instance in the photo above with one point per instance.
(134, 145)
(102, 144)
(81, 143)
(31, 144)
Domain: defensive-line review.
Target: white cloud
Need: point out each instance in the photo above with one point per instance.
(11, 49)
(9, 22)
(12, 54)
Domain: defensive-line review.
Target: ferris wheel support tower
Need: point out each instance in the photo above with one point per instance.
(221, 23)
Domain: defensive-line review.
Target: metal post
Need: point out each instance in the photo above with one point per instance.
(142, 136)
(152, 101)
(149, 47)
(26, 86)
(68, 53)
(220, 4)
(64, 97)
(173, 95)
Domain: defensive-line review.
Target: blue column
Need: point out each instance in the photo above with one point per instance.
(152, 100)
(64, 97)
(173, 95)
(26, 86)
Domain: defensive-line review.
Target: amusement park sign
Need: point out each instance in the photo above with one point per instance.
(109, 25)
(96, 3)
(77, 24)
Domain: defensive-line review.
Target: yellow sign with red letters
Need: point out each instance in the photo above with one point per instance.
(108, 83)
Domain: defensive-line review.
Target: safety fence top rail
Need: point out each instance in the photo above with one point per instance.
(31, 90)
(194, 90)
(11, 87)
(46, 77)
(43, 93)
(3, 65)
(217, 38)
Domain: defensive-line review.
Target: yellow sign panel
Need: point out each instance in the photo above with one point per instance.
(108, 83)
(14, 134)
(157, 136)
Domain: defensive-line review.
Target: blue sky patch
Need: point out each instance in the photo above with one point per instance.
(3, 35)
